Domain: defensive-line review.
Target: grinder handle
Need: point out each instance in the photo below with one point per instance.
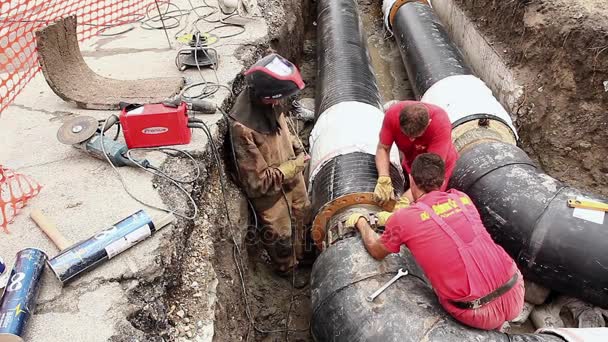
(49, 228)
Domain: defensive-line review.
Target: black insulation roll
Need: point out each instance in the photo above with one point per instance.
(407, 311)
(347, 174)
(344, 71)
(427, 52)
(526, 212)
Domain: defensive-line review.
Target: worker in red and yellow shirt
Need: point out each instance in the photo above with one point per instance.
(475, 280)
(416, 128)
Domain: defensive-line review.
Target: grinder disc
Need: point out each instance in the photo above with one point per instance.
(77, 130)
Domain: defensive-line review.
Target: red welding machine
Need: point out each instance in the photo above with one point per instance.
(154, 125)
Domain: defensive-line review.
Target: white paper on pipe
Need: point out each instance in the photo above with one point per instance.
(344, 128)
(590, 215)
(464, 95)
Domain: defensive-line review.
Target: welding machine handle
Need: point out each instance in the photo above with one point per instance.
(49, 228)
(112, 120)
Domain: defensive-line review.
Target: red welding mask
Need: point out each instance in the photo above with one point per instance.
(274, 77)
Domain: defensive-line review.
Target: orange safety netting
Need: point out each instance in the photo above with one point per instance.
(15, 190)
(19, 20)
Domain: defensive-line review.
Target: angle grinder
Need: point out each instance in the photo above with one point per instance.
(84, 133)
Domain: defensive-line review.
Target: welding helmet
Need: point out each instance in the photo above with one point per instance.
(273, 77)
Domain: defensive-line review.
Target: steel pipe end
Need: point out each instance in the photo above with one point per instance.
(390, 8)
(325, 227)
(480, 130)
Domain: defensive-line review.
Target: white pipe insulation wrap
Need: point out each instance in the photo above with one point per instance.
(344, 128)
(387, 5)
(464, 95)
(578, 334)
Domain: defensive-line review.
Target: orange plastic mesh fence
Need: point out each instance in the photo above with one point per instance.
(19, 20)
(15, 190)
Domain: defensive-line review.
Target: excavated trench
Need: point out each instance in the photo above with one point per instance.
(273, 304)
(270, 304)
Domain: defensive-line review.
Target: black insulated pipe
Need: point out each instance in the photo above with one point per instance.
(407, 311)
(345, 274)
(427, 52)
(346, 174)
(344, 71)
(347, 119)
(524, 209)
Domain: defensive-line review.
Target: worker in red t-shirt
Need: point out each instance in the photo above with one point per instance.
(416, 128)
(475, 280)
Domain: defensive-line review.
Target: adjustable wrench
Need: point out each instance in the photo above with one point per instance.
(400, 274)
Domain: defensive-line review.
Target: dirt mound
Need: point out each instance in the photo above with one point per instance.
(558, 50)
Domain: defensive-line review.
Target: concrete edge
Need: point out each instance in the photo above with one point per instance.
(481, 55)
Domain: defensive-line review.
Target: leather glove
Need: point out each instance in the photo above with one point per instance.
(384, 190)
(292, 168)
(403, 202)
(383, 216)
(352, 220)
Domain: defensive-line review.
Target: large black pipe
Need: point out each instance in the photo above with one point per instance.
(347, 174)
(524, 209)
(344, 274)
(427, 52)
(347, 113)
(344, 71)
(408, 311)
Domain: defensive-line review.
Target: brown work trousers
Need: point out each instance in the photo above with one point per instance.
(282, 218)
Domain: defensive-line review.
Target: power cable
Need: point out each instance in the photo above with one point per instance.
(160, 174)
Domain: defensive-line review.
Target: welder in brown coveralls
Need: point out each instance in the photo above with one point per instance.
(270, 160)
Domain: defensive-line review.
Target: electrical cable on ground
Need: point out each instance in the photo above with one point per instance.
(160, 174)
(293, 270)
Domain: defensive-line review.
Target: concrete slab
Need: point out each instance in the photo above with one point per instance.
(83, 195)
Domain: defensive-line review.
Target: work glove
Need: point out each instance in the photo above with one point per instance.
(291, 168)
(384, 190)
(352, 220)
(403, 202)
(383, 216)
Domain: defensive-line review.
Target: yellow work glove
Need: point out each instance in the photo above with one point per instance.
(352, 220)
(383, 216)
(384, 190)
(292, 168)
(403, 202)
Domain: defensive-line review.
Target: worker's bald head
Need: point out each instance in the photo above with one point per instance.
(414, 119)
(428, 172)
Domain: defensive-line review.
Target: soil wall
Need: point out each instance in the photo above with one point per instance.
(558, 51)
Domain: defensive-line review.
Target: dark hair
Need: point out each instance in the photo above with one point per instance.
(413, 119)
(428, 171)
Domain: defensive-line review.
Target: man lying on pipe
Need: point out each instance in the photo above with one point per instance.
(476, 281)
(415, 128)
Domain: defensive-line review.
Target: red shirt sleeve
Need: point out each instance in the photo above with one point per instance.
(441, 141)
(391, 238)
(387, 134)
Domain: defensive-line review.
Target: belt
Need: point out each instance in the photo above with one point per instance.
(477, 303)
